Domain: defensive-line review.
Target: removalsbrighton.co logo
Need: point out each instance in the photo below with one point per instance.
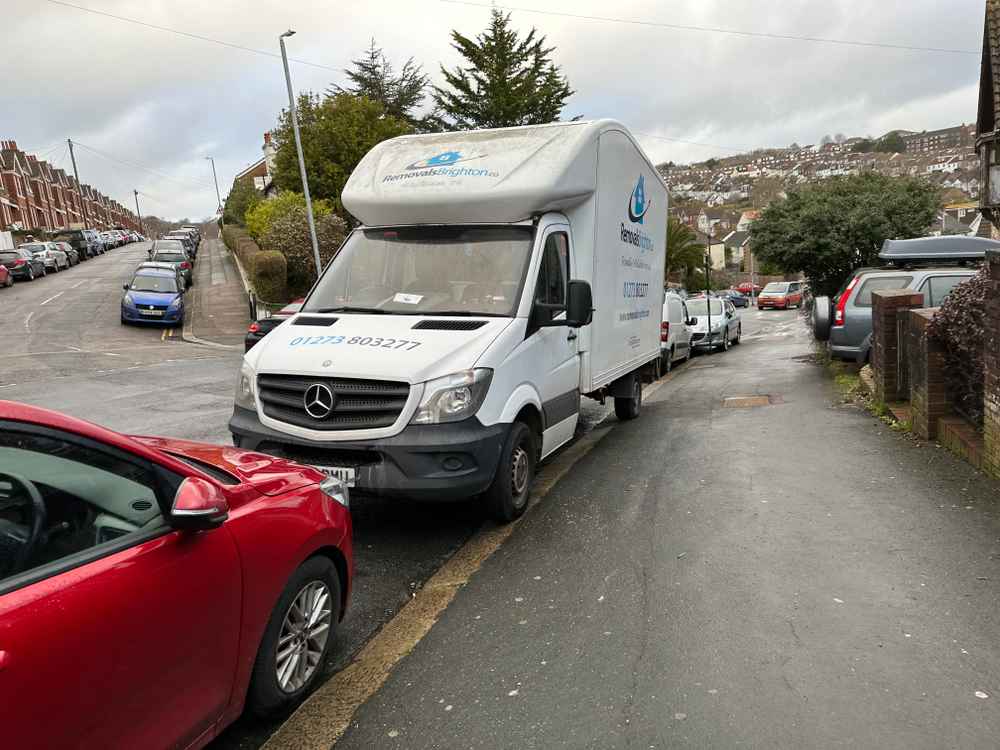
(638, 206)
(442, 165)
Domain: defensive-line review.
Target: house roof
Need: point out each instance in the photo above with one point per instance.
(989, 77)
(737, 239)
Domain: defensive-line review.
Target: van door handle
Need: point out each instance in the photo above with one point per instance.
(572, 336)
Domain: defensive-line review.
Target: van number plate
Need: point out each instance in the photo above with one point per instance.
(345, 474)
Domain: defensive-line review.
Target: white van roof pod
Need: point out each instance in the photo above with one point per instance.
(477, 177)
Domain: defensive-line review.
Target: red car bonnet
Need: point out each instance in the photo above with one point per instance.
(266, 474)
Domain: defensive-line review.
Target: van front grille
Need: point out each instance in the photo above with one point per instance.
(320, 403)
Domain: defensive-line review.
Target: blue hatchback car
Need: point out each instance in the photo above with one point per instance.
(153, 296)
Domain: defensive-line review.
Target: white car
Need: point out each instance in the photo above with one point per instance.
(726, 327)
(675, 332)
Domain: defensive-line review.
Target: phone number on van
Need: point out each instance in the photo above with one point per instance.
(375, 341)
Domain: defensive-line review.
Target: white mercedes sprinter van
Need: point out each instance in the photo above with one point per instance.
(497, 276)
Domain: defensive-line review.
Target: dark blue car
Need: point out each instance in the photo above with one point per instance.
(153, 296)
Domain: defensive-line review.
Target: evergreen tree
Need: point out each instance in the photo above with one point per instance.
(374, 77)
(508, 80)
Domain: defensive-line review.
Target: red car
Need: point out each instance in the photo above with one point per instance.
(6, 277)
(747, 288)
(150, 588)
(781, 295)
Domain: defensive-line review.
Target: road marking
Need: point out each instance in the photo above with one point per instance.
(54, 296)
(163, 335)
(27, 320)
(322, 718)
(78, 283)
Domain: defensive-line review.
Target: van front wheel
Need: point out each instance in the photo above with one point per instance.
(507, 497)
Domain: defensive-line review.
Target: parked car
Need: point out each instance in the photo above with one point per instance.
(76, 239)
(726, 327)
(71, 254)
(185, 239)
(95, 245)
(931, 265)
(54, 259)
(176, 245)
(22, 264)
(159, 577)
(782, 295)
(178, 258)
(749, 289)
(178, 272)
(263, 326)
(736, 297)
(153, 296)
(675, 332)
(6, 277)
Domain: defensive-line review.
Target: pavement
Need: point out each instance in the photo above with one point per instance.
(220, 310)
(716, 574)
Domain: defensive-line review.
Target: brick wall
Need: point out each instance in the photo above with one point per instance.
(928, 391)
(888, 351)
(991, 389)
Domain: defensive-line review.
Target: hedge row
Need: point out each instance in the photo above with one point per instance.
(266, 271)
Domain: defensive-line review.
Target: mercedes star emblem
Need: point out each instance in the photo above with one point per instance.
(319, 401)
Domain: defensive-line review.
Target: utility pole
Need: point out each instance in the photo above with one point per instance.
(137, 214)
(79, 187)
(298, 149)
(218, 199)
(708, 285)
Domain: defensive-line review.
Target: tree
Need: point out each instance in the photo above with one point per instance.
(241, 198)
(289, 235)
(508, 80)
(825, 140)
(827, 229)
(683, 249)
(891, 143)
(262, 216)
(863, 146)
(374, 78)
(336, 132)
(840, 138)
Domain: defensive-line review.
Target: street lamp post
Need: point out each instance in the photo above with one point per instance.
(218, 198)
(298, 149)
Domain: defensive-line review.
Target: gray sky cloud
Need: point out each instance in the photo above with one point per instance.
(152, 104)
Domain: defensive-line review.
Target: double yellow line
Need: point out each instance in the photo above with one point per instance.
(168, 333)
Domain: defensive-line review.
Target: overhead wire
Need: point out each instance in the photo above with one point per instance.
(717, 29)
(190, 35)
(151, 170)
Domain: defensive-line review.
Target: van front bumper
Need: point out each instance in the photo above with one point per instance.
(424, 462)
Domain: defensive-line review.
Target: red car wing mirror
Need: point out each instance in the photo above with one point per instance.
(198, 505)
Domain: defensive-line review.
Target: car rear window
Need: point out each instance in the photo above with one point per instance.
(170, 257)
(879, 284)
(9, 255)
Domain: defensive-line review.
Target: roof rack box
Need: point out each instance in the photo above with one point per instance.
(944, 248)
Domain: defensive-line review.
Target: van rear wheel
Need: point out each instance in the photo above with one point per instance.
(507, 497)
(627, 407)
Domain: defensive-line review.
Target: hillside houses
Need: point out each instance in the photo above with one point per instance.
(945, 157)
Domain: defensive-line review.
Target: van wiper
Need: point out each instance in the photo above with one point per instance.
(460, 313)
(348, 309)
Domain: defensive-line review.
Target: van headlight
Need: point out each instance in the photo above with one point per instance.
(453, 397)
(245, 388)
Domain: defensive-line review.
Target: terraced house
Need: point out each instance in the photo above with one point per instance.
(36, 195)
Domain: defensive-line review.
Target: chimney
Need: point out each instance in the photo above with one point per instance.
(267, 137)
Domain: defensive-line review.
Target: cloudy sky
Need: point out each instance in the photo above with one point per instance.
(147, 106)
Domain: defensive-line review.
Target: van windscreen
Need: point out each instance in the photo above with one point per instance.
(428, 270)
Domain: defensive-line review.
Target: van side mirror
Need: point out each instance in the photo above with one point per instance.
(579, 304)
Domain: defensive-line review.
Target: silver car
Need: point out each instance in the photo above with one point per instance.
(53, 258)
(726, 326)
(928, 265)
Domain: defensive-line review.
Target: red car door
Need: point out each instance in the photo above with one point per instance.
(117, 632)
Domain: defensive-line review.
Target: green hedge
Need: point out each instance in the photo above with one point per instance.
(269, 277)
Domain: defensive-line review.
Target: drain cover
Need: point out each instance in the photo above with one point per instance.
(746, 402)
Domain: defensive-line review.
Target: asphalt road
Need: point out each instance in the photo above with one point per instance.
(65, 349)
(715, 574)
